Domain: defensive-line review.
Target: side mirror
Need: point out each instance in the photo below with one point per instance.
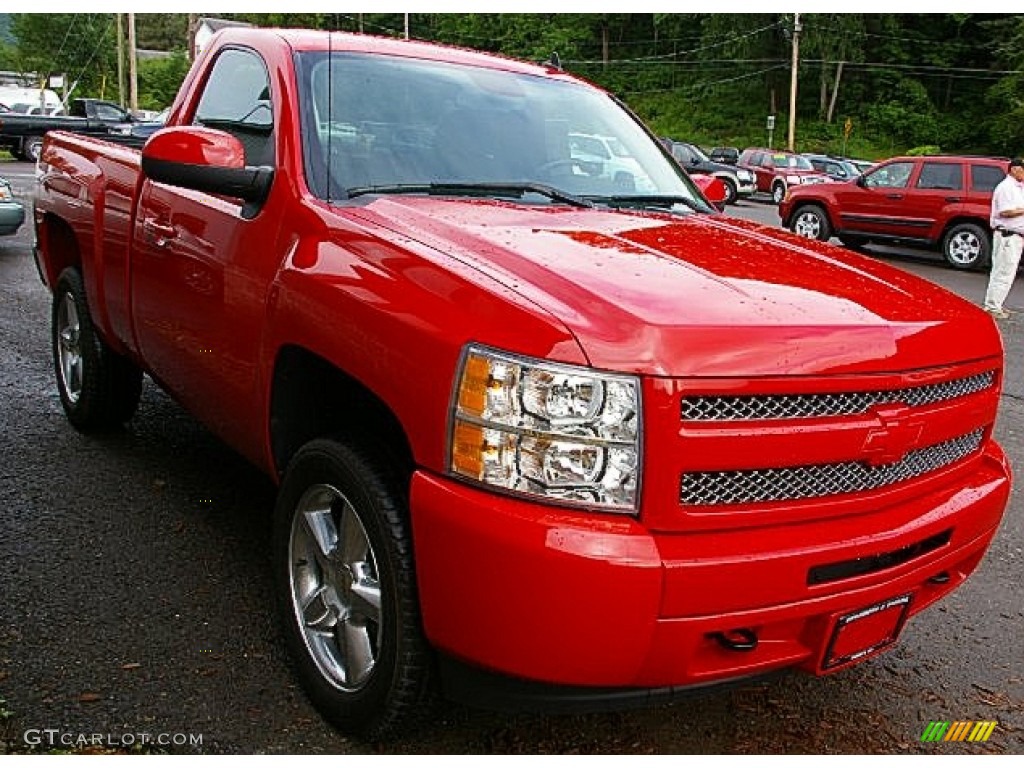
(860, 182)
(205, 160)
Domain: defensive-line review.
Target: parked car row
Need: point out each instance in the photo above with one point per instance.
(768, 171)
(938, 203)
(737, 182)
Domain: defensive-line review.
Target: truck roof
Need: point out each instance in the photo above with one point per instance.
(312, 40)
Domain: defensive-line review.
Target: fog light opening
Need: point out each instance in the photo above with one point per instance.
(940, 578)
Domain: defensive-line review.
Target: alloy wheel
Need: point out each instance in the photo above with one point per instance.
(335, 593)
(69, 348)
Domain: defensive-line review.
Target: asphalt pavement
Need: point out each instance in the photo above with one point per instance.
(136, 611)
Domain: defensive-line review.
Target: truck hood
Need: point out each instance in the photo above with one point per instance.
(698, 295)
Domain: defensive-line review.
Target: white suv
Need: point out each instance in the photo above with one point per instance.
(615, 161)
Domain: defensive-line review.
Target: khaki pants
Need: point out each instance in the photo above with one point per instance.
(1006, 250)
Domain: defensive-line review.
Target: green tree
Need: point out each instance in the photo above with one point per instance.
(159, 80)
(1004, 101)
(162, 31)
(908, 117)
(79, 45)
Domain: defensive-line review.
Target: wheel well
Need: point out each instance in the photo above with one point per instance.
(812, 203)
(311, 398)
(964, 220)
(57, 240)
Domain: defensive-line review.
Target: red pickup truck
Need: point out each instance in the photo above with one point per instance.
(542, 440)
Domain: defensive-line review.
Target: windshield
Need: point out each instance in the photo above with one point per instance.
(699, 154)
(792, 161)
(378, 122)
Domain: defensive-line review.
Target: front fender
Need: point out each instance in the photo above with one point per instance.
(395, 316)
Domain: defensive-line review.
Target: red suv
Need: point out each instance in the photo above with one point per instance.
(777, 171)
(940, 203)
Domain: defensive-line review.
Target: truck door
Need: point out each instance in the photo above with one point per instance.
(201, 269)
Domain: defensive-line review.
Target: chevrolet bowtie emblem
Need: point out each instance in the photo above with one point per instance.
(897, 435)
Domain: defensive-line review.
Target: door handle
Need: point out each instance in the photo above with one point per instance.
(159, 234)
(894, 196)
(952, 199)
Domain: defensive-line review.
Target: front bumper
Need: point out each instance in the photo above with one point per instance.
(553, 596)
(745, 188)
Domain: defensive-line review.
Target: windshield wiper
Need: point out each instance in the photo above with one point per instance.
(649, 201)
(502, 188)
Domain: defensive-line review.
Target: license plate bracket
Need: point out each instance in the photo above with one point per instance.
(864, 632)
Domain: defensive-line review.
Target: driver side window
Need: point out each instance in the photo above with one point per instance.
(236, 99)
(891, 176)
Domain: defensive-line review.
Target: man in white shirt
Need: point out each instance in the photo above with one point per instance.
(1007, 221)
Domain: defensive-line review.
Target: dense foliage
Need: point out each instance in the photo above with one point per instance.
(897, 81)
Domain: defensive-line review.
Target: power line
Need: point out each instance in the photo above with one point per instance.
(676, 54)
(67, 32)
(99, 44)
(712, 84)
(894, 38)
(923, 68)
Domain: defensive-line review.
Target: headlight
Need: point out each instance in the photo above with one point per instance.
(794, 179)
(5, 192)
(563, 433)
(746, 175)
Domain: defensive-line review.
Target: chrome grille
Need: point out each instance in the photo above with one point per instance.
(757, 407)
(819, 480)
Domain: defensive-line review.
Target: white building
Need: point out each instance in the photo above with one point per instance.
(207, 26)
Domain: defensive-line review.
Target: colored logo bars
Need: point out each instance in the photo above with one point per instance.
(960, 730)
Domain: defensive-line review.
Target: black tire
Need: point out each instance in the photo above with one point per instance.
(341, 538)
(32, 148)
(811, 221)
(730, 190)
(967, 246)
(853, 241)
(777, 192)
(98, 388)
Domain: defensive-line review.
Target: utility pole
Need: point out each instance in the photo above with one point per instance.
(133, 74)
(193, 27)
(407, 26)
(792, 83)
(120, 60)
